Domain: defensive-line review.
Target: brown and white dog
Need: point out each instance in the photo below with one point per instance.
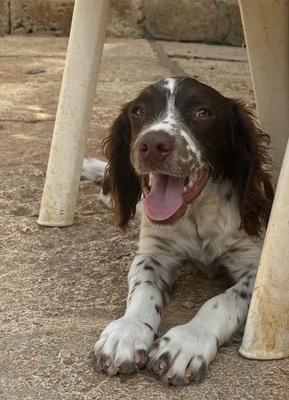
(199, 160)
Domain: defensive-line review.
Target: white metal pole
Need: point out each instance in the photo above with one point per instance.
(76, 99)
(267, 329)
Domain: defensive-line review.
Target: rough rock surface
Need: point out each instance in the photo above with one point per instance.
(215, 21)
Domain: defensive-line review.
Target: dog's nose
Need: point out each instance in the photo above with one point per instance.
(155, 145)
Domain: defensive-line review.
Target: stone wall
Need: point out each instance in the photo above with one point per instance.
(213, 21)
(37, 16)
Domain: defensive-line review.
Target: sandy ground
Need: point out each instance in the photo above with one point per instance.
(61, 286)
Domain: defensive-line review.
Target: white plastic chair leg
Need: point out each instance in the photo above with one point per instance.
(74, 111)
(266, 31)
(267, 329)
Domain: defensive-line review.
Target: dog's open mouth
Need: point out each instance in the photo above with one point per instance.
(166, 196)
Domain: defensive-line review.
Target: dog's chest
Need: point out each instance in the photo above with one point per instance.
(210, 230)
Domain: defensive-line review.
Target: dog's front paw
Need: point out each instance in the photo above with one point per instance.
(123, 346)
(93, 170)
(183, 355)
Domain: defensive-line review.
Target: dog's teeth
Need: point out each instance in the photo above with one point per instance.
(151, 179)
(191, 184)
(194, 177)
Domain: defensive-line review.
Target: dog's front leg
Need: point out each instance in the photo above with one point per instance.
(123, 345)
(185, 352)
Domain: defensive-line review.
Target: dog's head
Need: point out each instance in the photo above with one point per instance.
(176, 137)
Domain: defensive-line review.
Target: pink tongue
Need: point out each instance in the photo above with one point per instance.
(165, 197)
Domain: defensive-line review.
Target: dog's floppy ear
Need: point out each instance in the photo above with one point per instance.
(124, 183)
(251, 164)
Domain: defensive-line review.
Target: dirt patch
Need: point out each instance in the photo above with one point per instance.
(61, 286)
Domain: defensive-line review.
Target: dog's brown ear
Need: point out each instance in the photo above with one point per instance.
(124, 183)
(252, 162)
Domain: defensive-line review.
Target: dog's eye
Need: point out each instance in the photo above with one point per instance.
(139, 111)
(203, 113)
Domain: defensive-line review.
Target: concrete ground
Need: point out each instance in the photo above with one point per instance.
(60, 287)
